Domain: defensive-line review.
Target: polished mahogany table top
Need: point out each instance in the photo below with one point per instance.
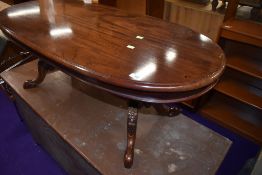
(114, 47)
(141, 58)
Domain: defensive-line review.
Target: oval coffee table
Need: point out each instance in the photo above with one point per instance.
(143, 59)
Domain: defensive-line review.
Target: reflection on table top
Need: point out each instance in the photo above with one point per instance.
(135, 52)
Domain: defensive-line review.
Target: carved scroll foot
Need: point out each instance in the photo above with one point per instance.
(173, 111)
(131, 136)
(166, 110)
(43, 68)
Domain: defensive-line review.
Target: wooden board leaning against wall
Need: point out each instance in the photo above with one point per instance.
(134, 6)
(198, 17)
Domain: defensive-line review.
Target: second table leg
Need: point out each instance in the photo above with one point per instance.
(43, 68)
(131, 135)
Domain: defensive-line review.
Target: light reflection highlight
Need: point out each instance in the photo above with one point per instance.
(144, 72)
(80, 67)
(50, 11)
(228, 26)
(87, 1)
(130, 47)
(61, 31)
(171, 56)
(24, 12)
(139, 37)
(204, 38)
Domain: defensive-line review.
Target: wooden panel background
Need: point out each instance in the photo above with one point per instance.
(134, 6)
(195, 16)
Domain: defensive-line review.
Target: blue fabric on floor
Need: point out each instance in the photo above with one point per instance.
(19, 154)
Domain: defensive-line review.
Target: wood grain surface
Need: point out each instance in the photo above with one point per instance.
(197, 17)
(130, 51)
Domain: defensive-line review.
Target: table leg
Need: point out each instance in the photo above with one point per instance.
(173, 111)
(132, 125)
(131, 135)
(43, 68)
(166, 110)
